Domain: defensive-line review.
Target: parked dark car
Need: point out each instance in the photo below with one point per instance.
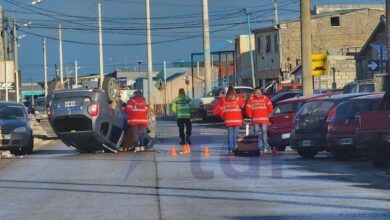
(16, 133)
(282, 117)
(341, 136)
(88, 120)
(283, 96)
(310, 126)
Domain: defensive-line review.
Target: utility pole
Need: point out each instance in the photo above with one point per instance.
(101, 65)
(388, 34)
(165, 89)
(76, 74)
(67, 76)
(306, 47)
(32, 93)
(276, 12)
(16, 55)
(246, 10)
(60, 51)
(206, 46)
(45, 67)
(149, 52)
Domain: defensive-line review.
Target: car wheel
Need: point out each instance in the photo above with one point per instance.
(380, 156)
(307, 153)
(110, 86)
(341, 154)
(27, 149)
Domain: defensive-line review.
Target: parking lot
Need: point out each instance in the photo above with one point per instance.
(56, 182)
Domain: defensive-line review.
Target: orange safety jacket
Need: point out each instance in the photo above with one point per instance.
(137, 112)
(230, 110)
(259, 109)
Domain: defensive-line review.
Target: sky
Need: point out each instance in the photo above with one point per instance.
(176, 30)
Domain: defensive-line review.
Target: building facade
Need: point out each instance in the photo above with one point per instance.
(373, 56)
(340, 33)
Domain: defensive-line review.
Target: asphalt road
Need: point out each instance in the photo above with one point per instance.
(58, 183)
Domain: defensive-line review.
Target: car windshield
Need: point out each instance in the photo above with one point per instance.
(244, 91)
(350, 108)
(287, 108)
(11, 112)
(316, 108)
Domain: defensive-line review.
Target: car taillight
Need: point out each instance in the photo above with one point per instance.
(93, 110)
(329, 117)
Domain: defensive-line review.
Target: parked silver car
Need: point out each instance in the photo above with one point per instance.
(40, 109)
(15, 128)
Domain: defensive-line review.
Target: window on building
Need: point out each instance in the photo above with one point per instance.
(268, 44)
(276, 43)
(335, 21)
(260, 45)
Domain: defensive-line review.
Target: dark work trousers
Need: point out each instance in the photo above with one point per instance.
(181, 122)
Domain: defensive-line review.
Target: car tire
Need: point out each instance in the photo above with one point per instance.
(110, 86)
(281, 148)
(341, 154)
(307, 153)
(380, 156)
(27, 149)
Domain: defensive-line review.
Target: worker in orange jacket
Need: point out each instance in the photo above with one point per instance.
(229, 108)
(137, 119)
(258, 108)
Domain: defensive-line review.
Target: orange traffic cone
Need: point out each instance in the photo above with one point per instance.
(206, 152)
(186, 149)
(173, 151)
(273, 151)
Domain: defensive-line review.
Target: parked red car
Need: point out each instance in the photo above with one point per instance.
(374, 130)
(341, 136)
(282, 117)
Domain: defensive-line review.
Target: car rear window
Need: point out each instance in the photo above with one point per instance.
(11, 112)
(244, 91)
(41, 103)
(366, 88)
(316, 108)
(351, 108)
(287, 108)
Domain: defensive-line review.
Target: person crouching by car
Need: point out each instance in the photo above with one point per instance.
(258, 108)
(229, 108)
(137, 122)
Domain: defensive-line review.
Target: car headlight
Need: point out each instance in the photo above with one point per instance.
(20, 130)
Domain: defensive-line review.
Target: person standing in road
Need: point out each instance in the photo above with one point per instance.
(137, 120)
(182, 106)
(229, 108)
(258, 108)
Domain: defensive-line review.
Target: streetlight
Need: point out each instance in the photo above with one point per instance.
(248, 14)
(28, 24)
(36, 2)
